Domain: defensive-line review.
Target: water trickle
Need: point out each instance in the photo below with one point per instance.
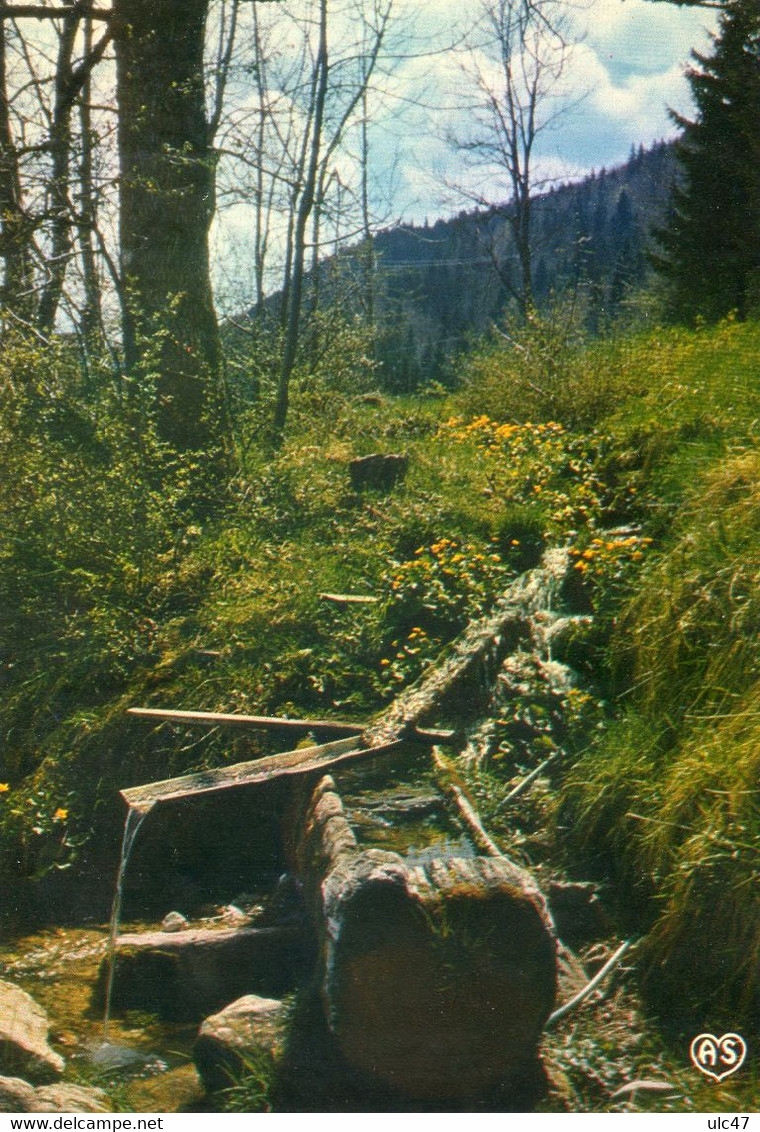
(136, 815)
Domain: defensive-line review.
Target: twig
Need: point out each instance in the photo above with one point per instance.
(611, 963)
(350, 599)
(467, 811)
(529, 779)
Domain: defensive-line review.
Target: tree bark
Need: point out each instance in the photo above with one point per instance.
(15, 226)
(60, 203)
(166, 206)
(88, 211)
(436, 979)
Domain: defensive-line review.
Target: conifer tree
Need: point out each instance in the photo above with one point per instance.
(710, 246)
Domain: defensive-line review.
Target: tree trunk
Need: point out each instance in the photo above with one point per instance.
(60, 203)
(166, 207)
(305, 205)
(15, 228)
(88, 210)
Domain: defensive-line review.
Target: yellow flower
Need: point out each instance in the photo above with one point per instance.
(60, 814)
(4, 787)
(384, 662)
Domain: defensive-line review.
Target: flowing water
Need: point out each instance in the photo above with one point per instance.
(134, 819)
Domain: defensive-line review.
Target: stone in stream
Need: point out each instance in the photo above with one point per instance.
(436, 980)
(244, 1032)
(174, 922)
(19, 1096)
(24, 1029)
(189, 974)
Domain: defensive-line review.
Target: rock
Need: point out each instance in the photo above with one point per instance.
(19, 1096)
(188, 975)
(71, 1098)
(577, 912)
(174, 922)
(231, 914)
(16, 1095)
(377, 471)
(24, 1046)
(240, 1034)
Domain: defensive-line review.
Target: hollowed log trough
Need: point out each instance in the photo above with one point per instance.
(437, 979)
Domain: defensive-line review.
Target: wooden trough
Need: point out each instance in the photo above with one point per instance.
(434, 979)
(437, 979)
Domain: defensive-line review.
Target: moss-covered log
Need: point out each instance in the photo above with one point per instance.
(435, 979)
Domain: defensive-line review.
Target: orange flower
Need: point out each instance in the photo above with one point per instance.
(60, 814)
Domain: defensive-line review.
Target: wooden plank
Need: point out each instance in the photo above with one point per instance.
(303, 761)
(263, 722)
(279, 723)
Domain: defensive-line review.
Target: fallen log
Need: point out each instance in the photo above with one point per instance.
(479, 645)
(401, 722)
(436, 979)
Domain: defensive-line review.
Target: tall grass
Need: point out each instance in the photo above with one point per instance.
(670, 800)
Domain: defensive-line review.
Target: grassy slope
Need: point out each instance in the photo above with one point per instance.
(137, 600)
(669, 801)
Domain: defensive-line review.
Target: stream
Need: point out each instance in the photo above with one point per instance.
(147, 1062)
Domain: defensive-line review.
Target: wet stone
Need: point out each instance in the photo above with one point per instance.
(24, 1045)
(240, 1034)
(19, 1096)
(174, 922)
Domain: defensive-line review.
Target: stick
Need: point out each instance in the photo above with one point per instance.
(529, 779)
(350, 599)
(467, 811)
(611, 963)
(265, 722)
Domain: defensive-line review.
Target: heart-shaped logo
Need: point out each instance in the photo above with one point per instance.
(718, 1057)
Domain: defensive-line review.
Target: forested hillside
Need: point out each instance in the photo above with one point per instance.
(439, 285)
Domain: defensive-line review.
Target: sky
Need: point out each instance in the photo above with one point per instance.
(624, 73)
(626, 68)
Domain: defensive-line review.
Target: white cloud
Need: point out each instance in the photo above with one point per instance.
(642, 35)
(629, 63)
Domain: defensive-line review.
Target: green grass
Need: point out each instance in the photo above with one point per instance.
(125, 584)
(668, 802)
